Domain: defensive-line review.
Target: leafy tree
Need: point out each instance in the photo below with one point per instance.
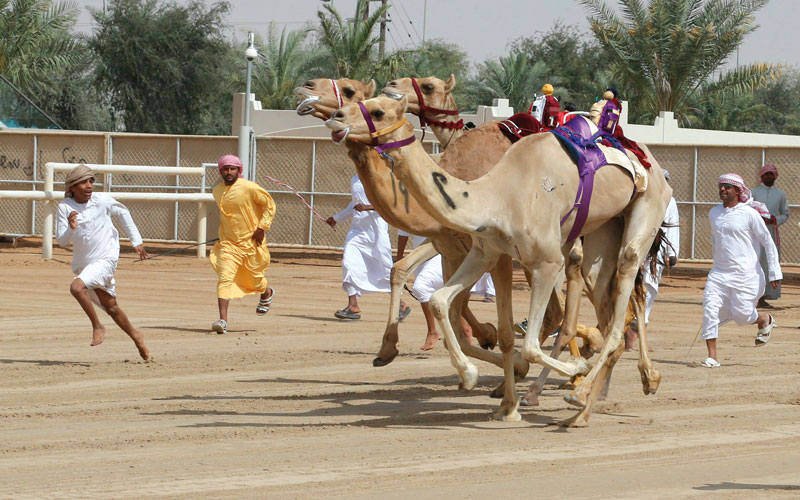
(441, 59)
(350, 43)
(35, 43)
(284, 63)
(514, 77)
(166, 67)
(577, 66)
(664, 53)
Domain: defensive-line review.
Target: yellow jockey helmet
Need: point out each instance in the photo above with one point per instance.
(547, 89)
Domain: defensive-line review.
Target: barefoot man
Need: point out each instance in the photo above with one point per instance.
(84, 220)
(240, 257)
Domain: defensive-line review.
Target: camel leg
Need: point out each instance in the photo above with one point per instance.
(505, 319)
(544, 278)
(474, 265)
(399, 275)
(566, 334)
(484, 333)
(637, 239)
(651, 377)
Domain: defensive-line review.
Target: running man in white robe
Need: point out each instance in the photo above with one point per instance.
(84, 220)
(736, 280)
(367, 258)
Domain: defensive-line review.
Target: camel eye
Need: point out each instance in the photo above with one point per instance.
(309, 84)
(377, 114)
(348, 92)
(393, 83)
(427, 88)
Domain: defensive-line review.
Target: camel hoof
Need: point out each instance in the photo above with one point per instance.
(650, 383)
(567, 385)
(502, 416)
(498, 392)
(574, 399)
(489, 341)
(533, 401)
(378, 362)
(469, 379)
(576, 421)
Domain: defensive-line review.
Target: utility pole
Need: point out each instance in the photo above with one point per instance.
(382, 43)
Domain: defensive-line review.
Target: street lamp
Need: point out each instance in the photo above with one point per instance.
(245, 130)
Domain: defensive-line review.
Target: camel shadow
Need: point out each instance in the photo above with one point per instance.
(414, 404)
(46, 362)
(725, 485)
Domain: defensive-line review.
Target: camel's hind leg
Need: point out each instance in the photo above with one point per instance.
(401, 270)
(651, 378)
(637, 239)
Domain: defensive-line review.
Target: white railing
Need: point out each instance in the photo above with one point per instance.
(51, 197)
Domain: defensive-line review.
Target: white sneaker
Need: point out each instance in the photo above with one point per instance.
(710, 363)
(220, 326)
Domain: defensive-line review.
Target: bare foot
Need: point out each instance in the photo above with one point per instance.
(144, 352)
(98, 335)
(430, 341)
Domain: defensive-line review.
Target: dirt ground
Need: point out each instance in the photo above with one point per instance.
(289, 405)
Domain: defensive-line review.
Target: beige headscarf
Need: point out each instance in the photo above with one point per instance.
(76, 176)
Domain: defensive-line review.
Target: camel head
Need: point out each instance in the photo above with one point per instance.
(434, 92)
(384, 112)
(322, 96)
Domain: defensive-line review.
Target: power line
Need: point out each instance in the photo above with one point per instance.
(402, 23)
(410, 21)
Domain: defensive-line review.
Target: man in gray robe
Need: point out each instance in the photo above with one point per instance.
(775, 200)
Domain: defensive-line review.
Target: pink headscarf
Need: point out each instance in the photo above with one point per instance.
(736, 180)
(768, 168)
(744, 194)
(229, 160)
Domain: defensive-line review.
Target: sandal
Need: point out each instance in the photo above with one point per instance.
(263, 304)
(710, 363)
(220, 326)
(762, 337)
(346, 313)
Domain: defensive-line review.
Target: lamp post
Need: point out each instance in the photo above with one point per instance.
(245, 130)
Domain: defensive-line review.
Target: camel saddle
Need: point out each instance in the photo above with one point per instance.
(520, 125)
(581, 138)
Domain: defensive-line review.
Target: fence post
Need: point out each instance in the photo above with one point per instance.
(202, 221)
(47, 230)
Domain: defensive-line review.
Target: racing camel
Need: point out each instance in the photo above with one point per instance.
(322, 97)
(504, 224)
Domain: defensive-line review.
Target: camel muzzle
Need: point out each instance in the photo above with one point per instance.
(306, 106)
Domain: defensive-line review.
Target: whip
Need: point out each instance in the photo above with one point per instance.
(179, 249)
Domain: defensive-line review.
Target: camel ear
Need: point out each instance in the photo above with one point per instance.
(449, 84)
(369, 90)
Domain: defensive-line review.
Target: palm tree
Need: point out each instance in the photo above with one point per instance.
(283, 65)
(514, 77)
(351, 43)
(663, 54)
(35, 43)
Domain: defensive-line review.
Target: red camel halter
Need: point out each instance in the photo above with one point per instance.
(374, 134)
(436, 111)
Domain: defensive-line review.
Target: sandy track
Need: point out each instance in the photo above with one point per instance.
(289, 406)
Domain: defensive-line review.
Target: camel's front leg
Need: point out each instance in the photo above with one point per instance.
(474, 265)
(566, 334)
(505, 319)
(544, 278)
(401, 270)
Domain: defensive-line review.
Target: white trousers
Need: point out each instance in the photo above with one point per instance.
(723, 303)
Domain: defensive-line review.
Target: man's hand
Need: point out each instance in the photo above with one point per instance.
(330, 221)
(142, 252)
(775, 284)
(258, 236)
(362, 208)
(673, 261)
(73, 220)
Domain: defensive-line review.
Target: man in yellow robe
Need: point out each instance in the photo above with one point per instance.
(240, 257)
